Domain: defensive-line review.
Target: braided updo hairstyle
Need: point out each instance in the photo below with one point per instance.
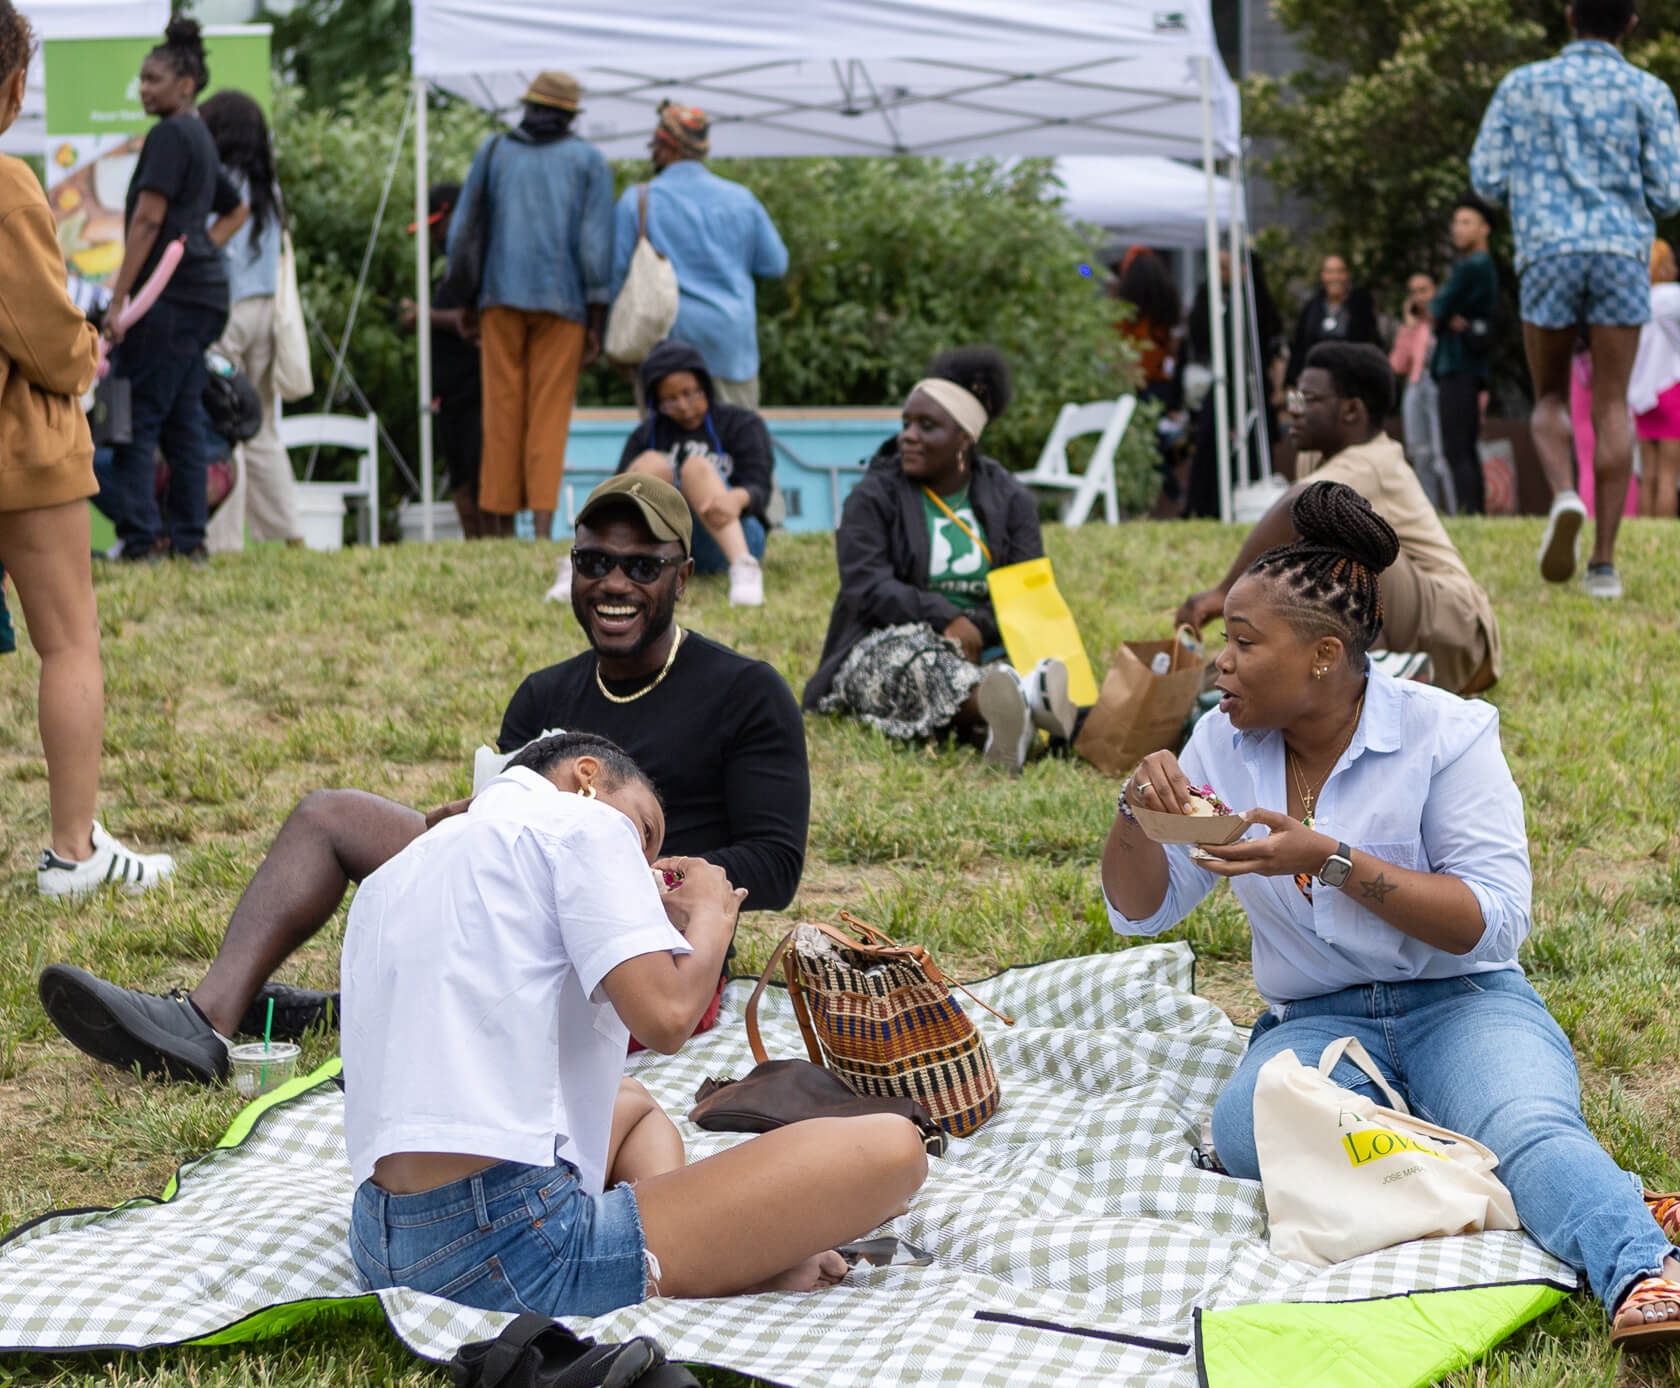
(981, 371)
(183, 49)
(1328, 577)
(17, 40)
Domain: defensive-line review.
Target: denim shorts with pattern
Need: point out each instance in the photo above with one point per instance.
(508, 1238)
(1561, 291)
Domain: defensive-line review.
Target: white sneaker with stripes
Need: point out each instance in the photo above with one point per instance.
(112, 864)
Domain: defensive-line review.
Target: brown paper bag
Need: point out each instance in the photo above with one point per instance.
(1137, 711)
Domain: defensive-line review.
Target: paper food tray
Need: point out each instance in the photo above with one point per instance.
(1183, 828)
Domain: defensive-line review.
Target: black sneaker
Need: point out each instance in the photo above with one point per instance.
(165, 1035)
(296, 1010)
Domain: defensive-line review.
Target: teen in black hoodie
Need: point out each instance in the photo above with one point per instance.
(718, 454)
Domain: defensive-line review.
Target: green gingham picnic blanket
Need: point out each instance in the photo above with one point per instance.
(1075, 1241)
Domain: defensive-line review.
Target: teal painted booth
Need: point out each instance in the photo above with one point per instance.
(820, 454)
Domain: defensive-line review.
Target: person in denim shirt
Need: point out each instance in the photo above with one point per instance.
(717, 236)
(1386, 881)
(543, 299)
(1583, 148)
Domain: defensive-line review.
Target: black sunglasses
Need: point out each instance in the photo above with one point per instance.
(644, 569)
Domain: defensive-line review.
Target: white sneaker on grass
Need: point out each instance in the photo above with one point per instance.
(1009, 724)
(746, 582)
(1602, 581)
(1046, 690)
(112, 864)
(1563, 530)
(561, 591)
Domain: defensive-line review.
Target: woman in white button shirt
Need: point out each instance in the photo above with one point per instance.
(1386, 899)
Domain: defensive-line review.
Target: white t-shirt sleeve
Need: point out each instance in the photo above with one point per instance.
(606, 901)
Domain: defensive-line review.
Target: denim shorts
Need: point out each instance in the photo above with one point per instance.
(1561, 291)
(509, 1238)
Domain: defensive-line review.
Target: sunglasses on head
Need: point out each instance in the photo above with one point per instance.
(644, 569)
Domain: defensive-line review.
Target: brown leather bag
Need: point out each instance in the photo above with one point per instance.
(780, 1092)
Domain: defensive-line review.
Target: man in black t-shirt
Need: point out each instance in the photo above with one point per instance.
(719, 734)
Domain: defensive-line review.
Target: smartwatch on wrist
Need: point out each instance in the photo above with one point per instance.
(1336, 867)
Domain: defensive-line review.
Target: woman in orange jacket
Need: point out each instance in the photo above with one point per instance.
(48, 356)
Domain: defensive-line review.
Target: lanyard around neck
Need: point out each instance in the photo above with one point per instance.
(939, 501)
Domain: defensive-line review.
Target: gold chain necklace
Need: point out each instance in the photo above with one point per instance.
(1309, 798)
(665, 669)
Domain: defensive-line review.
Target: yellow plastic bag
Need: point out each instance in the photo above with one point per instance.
(1036, 623)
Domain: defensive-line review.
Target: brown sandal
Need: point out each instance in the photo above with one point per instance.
(1656, 1328)
(1665, 1209)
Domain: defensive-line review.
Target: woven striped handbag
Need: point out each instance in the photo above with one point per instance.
(880, 1016)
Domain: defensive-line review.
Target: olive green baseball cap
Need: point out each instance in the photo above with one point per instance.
(661, 505)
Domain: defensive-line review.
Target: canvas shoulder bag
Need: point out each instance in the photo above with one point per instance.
(881, 1018)
(293, 378)
(646, 305)
(1343, 1175)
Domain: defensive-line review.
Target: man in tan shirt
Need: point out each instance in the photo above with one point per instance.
(1430, 601)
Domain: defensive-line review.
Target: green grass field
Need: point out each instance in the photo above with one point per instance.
(232, 691)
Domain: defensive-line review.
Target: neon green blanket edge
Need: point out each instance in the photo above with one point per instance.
(1393, 1342)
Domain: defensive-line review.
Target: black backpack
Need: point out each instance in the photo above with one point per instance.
(535, 1352)
(231, 401)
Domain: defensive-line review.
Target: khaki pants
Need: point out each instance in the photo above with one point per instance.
(262, 500)
(1423, 613)
(531, 363)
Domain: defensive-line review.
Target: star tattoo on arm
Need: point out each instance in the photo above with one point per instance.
(1378, 890)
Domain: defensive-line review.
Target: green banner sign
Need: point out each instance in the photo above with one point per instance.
(93, 85)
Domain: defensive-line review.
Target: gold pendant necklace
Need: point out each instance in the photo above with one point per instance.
(665, 669)
(1309, 798)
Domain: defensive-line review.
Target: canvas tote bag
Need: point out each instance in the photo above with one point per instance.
(1137, 711)
(1035, 622)
(292, 376)
(1343, 1175)
(646, 306)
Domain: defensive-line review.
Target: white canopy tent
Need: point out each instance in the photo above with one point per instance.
(949, 78)
(1146, 198)
(72, 19)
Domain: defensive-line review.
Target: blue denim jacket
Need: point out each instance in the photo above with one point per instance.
(1583, 148)
(717, 236)
(550, 225)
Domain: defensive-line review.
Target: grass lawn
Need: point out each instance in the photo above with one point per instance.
(232, 691)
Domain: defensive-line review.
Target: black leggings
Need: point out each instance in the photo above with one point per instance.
(1461, 424)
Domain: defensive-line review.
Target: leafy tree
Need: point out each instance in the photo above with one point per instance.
(1374, 131)
(891, 260)
(327, 47)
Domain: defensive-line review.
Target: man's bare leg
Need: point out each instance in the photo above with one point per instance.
(1549, 351)
(1613, 348)
(332, 838)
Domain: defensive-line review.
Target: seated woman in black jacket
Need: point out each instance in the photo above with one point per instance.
(913, 626)
(718, 454)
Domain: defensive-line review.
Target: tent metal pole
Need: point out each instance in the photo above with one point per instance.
(423, 302)
(1216, 301)
(1239, 332)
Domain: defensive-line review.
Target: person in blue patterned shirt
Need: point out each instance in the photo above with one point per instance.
(1583, 148)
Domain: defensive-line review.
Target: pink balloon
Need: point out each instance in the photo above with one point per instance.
(147, 294)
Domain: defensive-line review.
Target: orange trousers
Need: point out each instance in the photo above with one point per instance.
(531, 363)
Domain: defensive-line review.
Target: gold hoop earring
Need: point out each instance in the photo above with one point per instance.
(586, 791)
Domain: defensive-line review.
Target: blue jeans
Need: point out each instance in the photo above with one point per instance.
(162, 358)
(708, 558)
(1479, 1054)
(510, 1238)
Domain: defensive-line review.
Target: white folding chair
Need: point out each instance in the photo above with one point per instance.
(357, 432)
(1107, 418)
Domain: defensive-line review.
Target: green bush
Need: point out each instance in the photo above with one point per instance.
(891, 260)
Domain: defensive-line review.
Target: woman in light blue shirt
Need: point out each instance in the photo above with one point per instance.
(1386, 899)
(262, 500)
